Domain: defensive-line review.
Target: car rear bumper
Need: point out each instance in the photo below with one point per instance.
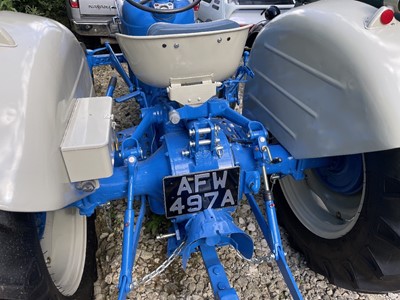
(101, 29)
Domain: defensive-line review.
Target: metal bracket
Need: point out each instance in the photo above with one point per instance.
(130, 235)
(216, 273)
(192, 91)
(270, 229)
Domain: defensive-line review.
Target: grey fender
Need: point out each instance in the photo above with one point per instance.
(43, 69)
(325, 84)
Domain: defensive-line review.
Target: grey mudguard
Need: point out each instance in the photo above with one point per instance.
(324, 84)
(43, 69)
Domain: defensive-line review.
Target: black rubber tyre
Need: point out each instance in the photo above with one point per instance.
(367, 257)
(253, 32)
(23, 271)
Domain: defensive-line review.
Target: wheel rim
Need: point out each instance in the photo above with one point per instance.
(64, 248)
(329, 200)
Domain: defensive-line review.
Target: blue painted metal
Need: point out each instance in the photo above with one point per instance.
(131, 234)
(230, 88)
(344, 174)
(270, 229)
(125, 278)
(216, 273)
(117, 65)
(40, 223)
(129, 96)
(129, 248)
(111, 86)
(214, 228)
(208, 137)
(137, 22)
(94, 58)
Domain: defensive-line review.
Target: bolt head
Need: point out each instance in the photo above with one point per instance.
(88, 187)
(221, 286)
(216, 270)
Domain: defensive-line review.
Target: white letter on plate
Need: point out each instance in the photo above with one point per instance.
(184, 186)
(198, 182)
(219, 181)
(228, 198)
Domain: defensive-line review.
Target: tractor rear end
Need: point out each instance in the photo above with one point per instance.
(192, 158)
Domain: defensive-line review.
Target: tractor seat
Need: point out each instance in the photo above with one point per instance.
(163, 28)
(190, 60)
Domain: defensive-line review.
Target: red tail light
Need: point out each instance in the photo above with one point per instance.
(382, 17)
(74, 3)
(196, 8)
(387, 16)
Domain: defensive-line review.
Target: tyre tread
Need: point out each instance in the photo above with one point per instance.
(23, 272)
(367, 259)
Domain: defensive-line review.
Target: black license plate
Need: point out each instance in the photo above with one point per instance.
(191, 193)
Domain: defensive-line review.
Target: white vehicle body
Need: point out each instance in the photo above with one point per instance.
(343, 99)
(93, 18)
(241, 11)
(37, 56)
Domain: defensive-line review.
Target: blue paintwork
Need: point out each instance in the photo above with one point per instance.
(157, 144)
(271, 233)
(137, 22)
(217, 275)
(94, 58)
(111, 87)
(131, 233)
(344, 174)
(215, 228)
(229, 89)
(156, 148)
(40, 223)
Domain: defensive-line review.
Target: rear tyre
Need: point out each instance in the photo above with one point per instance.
(347, 223)
(55, 261)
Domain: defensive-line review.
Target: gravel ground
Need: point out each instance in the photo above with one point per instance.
(251, 281)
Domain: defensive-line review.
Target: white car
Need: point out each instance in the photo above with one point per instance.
(93, 21)
(242, 11)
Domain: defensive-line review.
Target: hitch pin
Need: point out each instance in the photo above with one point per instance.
(165, 236)
(201, 131)
(266, 149)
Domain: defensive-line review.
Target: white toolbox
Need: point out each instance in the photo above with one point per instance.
(88, 143)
